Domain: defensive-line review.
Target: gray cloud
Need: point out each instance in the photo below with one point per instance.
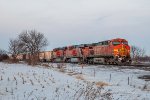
(66, 22)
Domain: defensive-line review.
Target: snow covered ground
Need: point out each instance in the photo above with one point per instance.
(71, 82)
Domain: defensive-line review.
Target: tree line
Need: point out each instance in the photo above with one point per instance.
(139, 54)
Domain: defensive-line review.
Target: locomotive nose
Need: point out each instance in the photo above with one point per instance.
(123, 51)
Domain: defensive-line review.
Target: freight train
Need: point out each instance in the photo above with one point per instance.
(114, 51)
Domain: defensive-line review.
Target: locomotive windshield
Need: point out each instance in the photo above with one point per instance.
(126, 43)
(116, 43)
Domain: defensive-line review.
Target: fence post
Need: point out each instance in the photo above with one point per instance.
(94, 72)
(128, 80)
(110, 78)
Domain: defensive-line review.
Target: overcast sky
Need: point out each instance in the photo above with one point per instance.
(66, 22)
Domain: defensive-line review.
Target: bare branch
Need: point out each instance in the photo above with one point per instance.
(137, 52)
(32, 42)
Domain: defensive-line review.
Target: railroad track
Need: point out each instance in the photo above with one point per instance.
(136, 66)
(140, 65)
(131, 66)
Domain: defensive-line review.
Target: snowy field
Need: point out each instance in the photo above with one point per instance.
(71, 82)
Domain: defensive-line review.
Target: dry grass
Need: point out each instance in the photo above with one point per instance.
(90, 92)
(101, 84)
(45, 65)
(62, 69)
(71, 74)
(11, 61)
(80, 77)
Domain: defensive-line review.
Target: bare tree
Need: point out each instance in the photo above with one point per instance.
(137, 52)
(32, 42)
(133, 51)
(2, 52)
(3, 55)
(143, 52)
(14, 48)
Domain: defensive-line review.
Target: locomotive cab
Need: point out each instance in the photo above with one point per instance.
(121, 50)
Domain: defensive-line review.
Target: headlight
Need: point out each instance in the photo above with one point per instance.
(116, 50)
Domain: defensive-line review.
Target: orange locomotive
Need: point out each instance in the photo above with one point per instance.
(115, 51)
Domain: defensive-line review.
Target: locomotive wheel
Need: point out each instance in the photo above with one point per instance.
(122, 63)
(90, 61)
